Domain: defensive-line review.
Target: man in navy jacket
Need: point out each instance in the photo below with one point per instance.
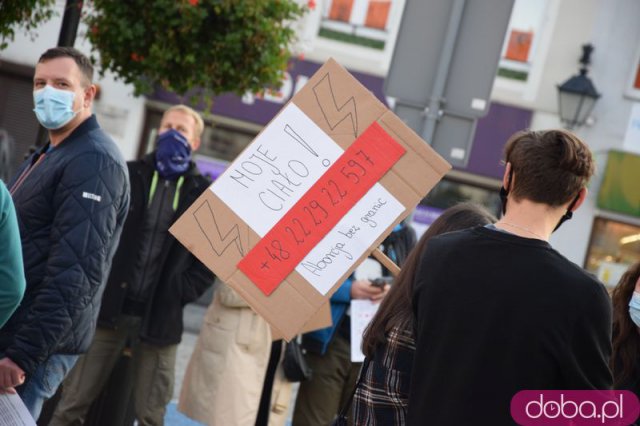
(152, 278)
(71, 199)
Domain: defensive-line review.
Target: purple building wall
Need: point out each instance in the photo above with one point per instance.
(262, 111)
(492, 131)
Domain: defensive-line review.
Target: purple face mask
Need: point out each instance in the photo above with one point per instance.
(173, 154)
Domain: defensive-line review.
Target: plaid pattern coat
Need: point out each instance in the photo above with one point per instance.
(382, 393)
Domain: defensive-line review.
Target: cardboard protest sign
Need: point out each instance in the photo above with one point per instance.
(315, 192)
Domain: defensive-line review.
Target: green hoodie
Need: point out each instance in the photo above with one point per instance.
(12, 281)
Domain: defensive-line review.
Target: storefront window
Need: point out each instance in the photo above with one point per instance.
(614, 246)
(224, 142)
(448, 193)
(220, 141)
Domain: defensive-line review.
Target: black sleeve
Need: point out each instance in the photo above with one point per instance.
(587, 366)
(195, 280)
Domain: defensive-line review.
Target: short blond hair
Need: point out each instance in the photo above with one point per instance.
(193, 113)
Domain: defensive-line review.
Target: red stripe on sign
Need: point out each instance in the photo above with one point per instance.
(321, 208)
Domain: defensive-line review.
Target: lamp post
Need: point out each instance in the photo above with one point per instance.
(577, 96)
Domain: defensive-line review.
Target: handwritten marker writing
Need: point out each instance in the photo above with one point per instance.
(363, 164)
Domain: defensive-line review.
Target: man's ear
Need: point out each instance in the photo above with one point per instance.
(582, 195)
(195, 144)
(89, 96)
(506, 178)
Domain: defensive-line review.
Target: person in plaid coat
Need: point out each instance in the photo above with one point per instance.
(382, 393)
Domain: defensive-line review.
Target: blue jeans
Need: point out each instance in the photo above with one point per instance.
(44, 382)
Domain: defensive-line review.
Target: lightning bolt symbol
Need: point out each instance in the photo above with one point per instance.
(209, 227)
(334, 114)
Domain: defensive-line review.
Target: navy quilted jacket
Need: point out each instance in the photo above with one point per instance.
(71, 209)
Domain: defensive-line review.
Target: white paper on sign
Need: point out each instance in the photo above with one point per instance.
(13, 411)
(362, 311)
(350, 238)
(277, 169)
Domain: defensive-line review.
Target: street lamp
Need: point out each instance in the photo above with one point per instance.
(577, 96)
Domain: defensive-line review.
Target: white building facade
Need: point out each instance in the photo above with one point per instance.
(541, 50)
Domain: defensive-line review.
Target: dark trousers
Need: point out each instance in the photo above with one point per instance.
(334, 377)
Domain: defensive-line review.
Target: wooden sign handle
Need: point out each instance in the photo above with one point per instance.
(388, 263)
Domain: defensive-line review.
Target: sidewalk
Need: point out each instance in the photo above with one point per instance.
(193, 315)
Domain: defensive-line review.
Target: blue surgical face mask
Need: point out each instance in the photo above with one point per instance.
(53, 107)
(173, 154)
(634, 308)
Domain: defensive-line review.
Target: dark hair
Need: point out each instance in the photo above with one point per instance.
(550, 167)
(69, 52)
(626, 339)
(395, 309)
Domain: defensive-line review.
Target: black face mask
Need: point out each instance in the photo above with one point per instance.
(504, 194)
(503, 199)
(568, 215)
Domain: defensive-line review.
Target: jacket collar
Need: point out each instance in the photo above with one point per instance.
(85, 127)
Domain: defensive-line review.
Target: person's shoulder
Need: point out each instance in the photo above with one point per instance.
(579, 282)
(572, 270)
(5, 198)
(140, 164)
(199, 181)
(454, 237)
(96, 151)
(4, 191)
(448, 244)
(102, 142)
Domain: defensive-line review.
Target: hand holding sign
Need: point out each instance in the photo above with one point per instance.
(319, 188)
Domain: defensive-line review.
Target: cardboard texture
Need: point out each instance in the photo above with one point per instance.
(337, 103)
(321, 319)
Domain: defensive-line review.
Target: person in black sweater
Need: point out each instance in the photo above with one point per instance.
(498, 310)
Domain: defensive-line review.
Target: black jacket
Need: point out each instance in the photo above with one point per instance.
(70, 209)
(182, 279)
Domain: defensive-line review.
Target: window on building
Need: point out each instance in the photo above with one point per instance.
(360, 22)
(523, 34)
(614, 246)
(221, 139)
(225, 142)
(633, 88)
(449, 192)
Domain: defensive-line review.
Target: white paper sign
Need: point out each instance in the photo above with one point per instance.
(350, 238)
(362, 311)
(13, 411)
(277, 169)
